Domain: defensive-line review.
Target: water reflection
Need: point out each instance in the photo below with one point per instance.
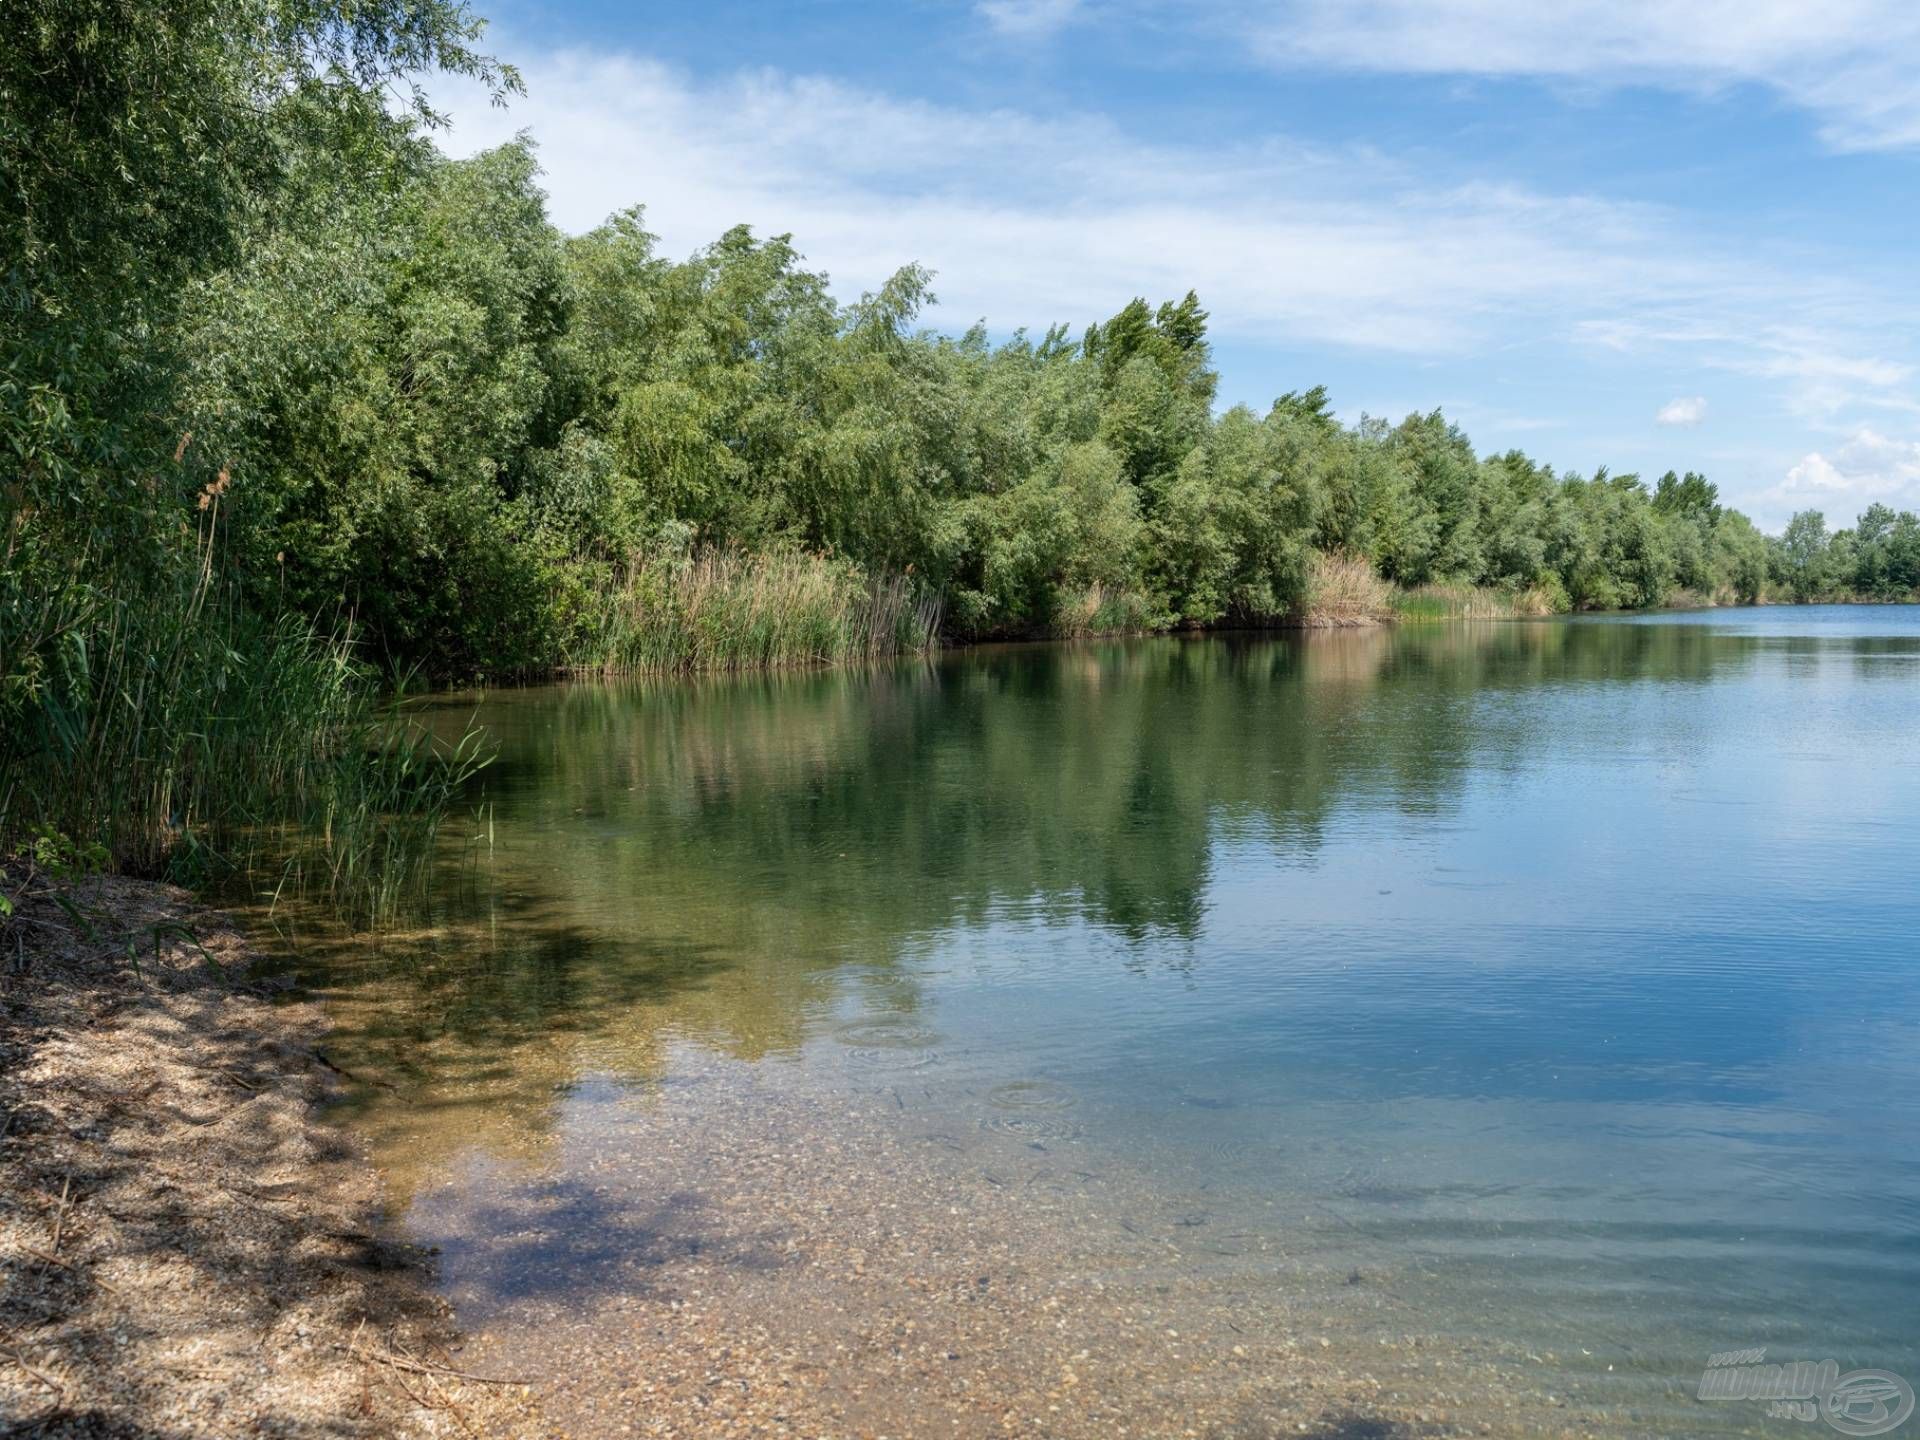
(1560, 971)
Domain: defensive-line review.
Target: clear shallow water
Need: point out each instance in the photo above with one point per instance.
(1557, 979)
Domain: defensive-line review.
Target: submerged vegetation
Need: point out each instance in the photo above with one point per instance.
(293, 405)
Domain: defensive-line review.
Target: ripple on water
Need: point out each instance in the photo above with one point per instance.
(1032, 1110)
(1032, 1095)
(889, 1043)
(1032, 1127)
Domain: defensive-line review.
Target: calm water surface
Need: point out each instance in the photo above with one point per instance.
(1559, 978)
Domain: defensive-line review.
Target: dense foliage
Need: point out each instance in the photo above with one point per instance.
(472, 431)
(150, 705)
(269, 356)
(1878, 559)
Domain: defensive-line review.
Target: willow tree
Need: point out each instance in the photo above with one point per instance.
(141, 143)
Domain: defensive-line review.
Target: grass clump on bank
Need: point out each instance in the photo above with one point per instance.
(1343, 589)
(1456, 601)
(733, 610)
(177, 733)
(1099, 610)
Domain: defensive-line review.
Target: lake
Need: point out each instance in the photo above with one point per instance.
(1445, 1028)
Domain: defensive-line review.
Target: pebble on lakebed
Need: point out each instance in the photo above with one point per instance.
(747, 1251)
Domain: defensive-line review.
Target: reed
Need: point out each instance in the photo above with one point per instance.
(1098, 610)
(1344, 590)
(192, 739)
(1448, 600)
(735, 610)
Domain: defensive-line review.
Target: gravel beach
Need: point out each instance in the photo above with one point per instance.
(186, 1248)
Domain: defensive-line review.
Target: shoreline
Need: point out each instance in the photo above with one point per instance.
(189, 1248)
(192, 1250)
(1301, 625)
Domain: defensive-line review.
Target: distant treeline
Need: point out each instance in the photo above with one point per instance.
(273, 371)
(1877, 560)
(472, 431)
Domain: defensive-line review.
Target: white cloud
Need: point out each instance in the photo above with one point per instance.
(1869, 467)
(1820, 367)
(1028, 18)
(1028, 221)
(1855, 64)
(1685, 410)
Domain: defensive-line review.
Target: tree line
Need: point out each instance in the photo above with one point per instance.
(469, 429)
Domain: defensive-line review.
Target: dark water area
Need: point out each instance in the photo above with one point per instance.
(1559, 981)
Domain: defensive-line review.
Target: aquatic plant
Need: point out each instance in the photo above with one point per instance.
(189, 737)
(1099, 610)
(1344, 589)
(1444, 600)
(734, 610)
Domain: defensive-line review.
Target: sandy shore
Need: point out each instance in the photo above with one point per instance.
(186, 1248)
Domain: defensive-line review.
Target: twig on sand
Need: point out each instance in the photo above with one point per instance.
(12, 1352)
(416, 1367)
(320, 1055)
(452, 1406)
(60, 1215)
(429, 1373)
(66, 1264)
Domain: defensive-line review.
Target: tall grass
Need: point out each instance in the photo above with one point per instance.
(1450, 600)
(1344, 590)
(733, 610)
(1098, 610)
(191, 737)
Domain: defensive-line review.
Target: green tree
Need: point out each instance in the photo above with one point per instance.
(144, 148)
(378, 390)
(1804, 555)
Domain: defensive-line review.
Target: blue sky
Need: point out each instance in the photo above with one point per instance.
(1611, 232)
